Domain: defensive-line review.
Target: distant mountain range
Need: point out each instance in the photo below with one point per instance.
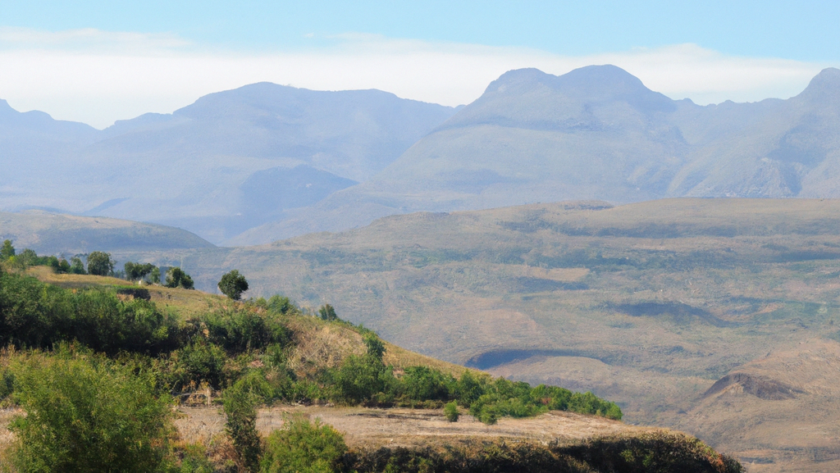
(266, 162)
(228, 162)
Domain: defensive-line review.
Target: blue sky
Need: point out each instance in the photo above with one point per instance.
(97, 61)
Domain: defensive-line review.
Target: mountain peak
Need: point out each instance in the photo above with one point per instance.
(604, 83)
(6, 109)
(825, 85)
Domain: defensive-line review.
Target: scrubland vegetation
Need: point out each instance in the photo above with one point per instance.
(97, 374)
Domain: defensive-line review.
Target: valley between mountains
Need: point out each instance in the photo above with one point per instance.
(719, 317)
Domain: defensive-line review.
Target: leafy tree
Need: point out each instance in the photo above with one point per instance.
(176, 277)
(233, 285)
(100, 263)
(360, 378)
(137, 271)
(55, 264)
(27, 258)
(303, 447)
(154, 276)
(375, 347)
(85, 413)
(63, 266)
(76, 266)
(7, 250)
(327, 312)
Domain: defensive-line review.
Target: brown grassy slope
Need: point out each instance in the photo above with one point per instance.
(783, 407)
(317, 342)
(49, 233)
(647, 304)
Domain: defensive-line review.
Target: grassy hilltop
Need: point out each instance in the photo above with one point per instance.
(647, 304)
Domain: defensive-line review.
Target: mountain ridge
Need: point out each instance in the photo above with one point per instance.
(594, 133)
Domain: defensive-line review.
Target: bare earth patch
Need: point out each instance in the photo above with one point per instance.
(364, 427)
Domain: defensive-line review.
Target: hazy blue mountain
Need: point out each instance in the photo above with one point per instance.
(29, 143)
(594, 133)
(230, 161)
(265, 162)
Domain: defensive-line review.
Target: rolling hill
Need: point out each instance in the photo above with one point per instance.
(52, 234)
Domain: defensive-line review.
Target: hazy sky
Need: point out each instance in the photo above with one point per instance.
(97, 61)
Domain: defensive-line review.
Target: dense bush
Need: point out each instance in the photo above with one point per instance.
(302, 446)
(422, 383)
(38, 315)
(367, 380)
(450, 411)
(240, 330)
(85, 413)
(240, 402)
(278, 304)
(197, 363)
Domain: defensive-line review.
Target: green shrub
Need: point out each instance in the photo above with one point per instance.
(84, 413)
(240, 402)
(327, 313)
(194, 460)
(242, 330)
(278, 305)
(303, 447)
(198, 362)
(422, 383)
(38, 315)
(360, 378)
(451, 411)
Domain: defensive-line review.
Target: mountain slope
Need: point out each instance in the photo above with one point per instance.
(30, 143)
(214, 167)
(595, 133)
(50, 234)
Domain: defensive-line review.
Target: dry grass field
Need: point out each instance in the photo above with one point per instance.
(373, 428)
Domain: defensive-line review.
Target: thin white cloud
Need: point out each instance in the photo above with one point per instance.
(89, 40)
(98, 77)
